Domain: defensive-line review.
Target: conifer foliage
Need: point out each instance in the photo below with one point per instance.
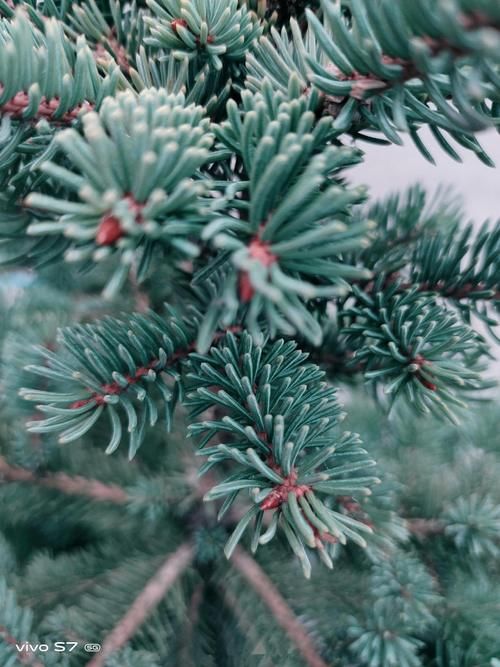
(202, 279)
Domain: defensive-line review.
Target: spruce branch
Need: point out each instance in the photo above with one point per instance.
(414, 346)
(402, 583)
(135, 176)
(155, 590)
(403, 221)
(112, 367)
(281, 59)
(462, 267)
(474, 525)
(115, 35)
(433, 53)
(278, 427)
(15, 624)
(202, 85)
(117, 367)
(380, 641)
(216, 32)
(57, 83)
(435, 68)
(292, 247)
(24, 658)
(283, 614)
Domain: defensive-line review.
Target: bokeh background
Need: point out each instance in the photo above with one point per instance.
(389, 169)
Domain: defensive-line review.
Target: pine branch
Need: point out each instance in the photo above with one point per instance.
(220, 33)
(277, 420)
(292, 248)
(138, 193)
(113, 364)
(71, 485)
(422, 351)
(273, 599)
(153, 593)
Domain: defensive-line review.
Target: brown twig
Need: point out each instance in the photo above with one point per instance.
(153, 593)
(193, 614)
(423, 528)
(74, 486)
(116, 389)
(284, 616)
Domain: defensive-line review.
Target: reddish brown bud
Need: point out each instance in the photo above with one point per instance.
(109, 231)
(245, 287)
(176, 23)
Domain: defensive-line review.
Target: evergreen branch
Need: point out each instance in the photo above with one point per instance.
(72, 485)
(150, 597)
(37, 91)
(431, 55)
(188, 631)
(420, 350)
(138, 191)
(118, 35)
(474, 525)
(282, 61)
(403, 609)
(57, 83)
(350, 70)
(112, 365)
(457, 40)
(279, 420)
(283, 615)
(23, 657)
(15, 623)
(403, 221)
(462, 266)
(379, 640)
(217, 32)
(117, 367)
(292, 248)
(206, 86)
(401, 583)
